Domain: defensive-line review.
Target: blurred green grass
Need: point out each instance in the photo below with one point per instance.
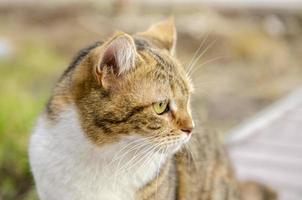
(23, 83)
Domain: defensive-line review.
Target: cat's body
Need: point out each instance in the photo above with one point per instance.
(117, 124)
(73, 168)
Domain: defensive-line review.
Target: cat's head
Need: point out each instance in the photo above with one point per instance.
(133, 86)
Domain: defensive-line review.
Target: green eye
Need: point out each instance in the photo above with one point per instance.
(161, 107)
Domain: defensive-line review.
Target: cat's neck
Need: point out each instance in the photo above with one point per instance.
(74, 161)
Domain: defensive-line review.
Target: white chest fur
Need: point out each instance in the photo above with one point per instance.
(66, 165)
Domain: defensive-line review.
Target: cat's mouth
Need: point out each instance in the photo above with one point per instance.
(171, 145)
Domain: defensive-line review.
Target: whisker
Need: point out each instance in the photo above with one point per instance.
(202, 53)
(117, 156)
(192, 156)
(197, 52)
(136, 159)
(157, 173)
(150, 150)
(121, 157)
(150, 160)
(136, 148)
(171, 142)
(208, 61)
(125, 147)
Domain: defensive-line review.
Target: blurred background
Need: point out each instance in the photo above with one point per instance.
(251, 57)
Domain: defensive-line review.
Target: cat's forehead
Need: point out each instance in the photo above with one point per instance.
(160, 77)
(169, 71)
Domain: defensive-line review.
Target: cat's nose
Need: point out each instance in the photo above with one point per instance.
(187, 130)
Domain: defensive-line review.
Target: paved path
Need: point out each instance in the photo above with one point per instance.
(268, 148)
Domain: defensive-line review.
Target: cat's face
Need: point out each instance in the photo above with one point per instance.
(135, 88)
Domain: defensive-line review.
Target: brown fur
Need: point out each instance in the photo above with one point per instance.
(111, 105)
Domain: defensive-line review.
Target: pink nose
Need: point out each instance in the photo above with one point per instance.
(187, 130)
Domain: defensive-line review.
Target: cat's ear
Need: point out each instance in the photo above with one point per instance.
(163, 33)
(118, 58)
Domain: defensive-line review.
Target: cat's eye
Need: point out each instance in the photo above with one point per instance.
(161, 107)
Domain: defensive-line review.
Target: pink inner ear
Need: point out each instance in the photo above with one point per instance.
(119, 55)
(109, 59)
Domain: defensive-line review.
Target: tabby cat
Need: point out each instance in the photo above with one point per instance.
(119, 126)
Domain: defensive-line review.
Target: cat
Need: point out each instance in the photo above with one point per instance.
(119, 126)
